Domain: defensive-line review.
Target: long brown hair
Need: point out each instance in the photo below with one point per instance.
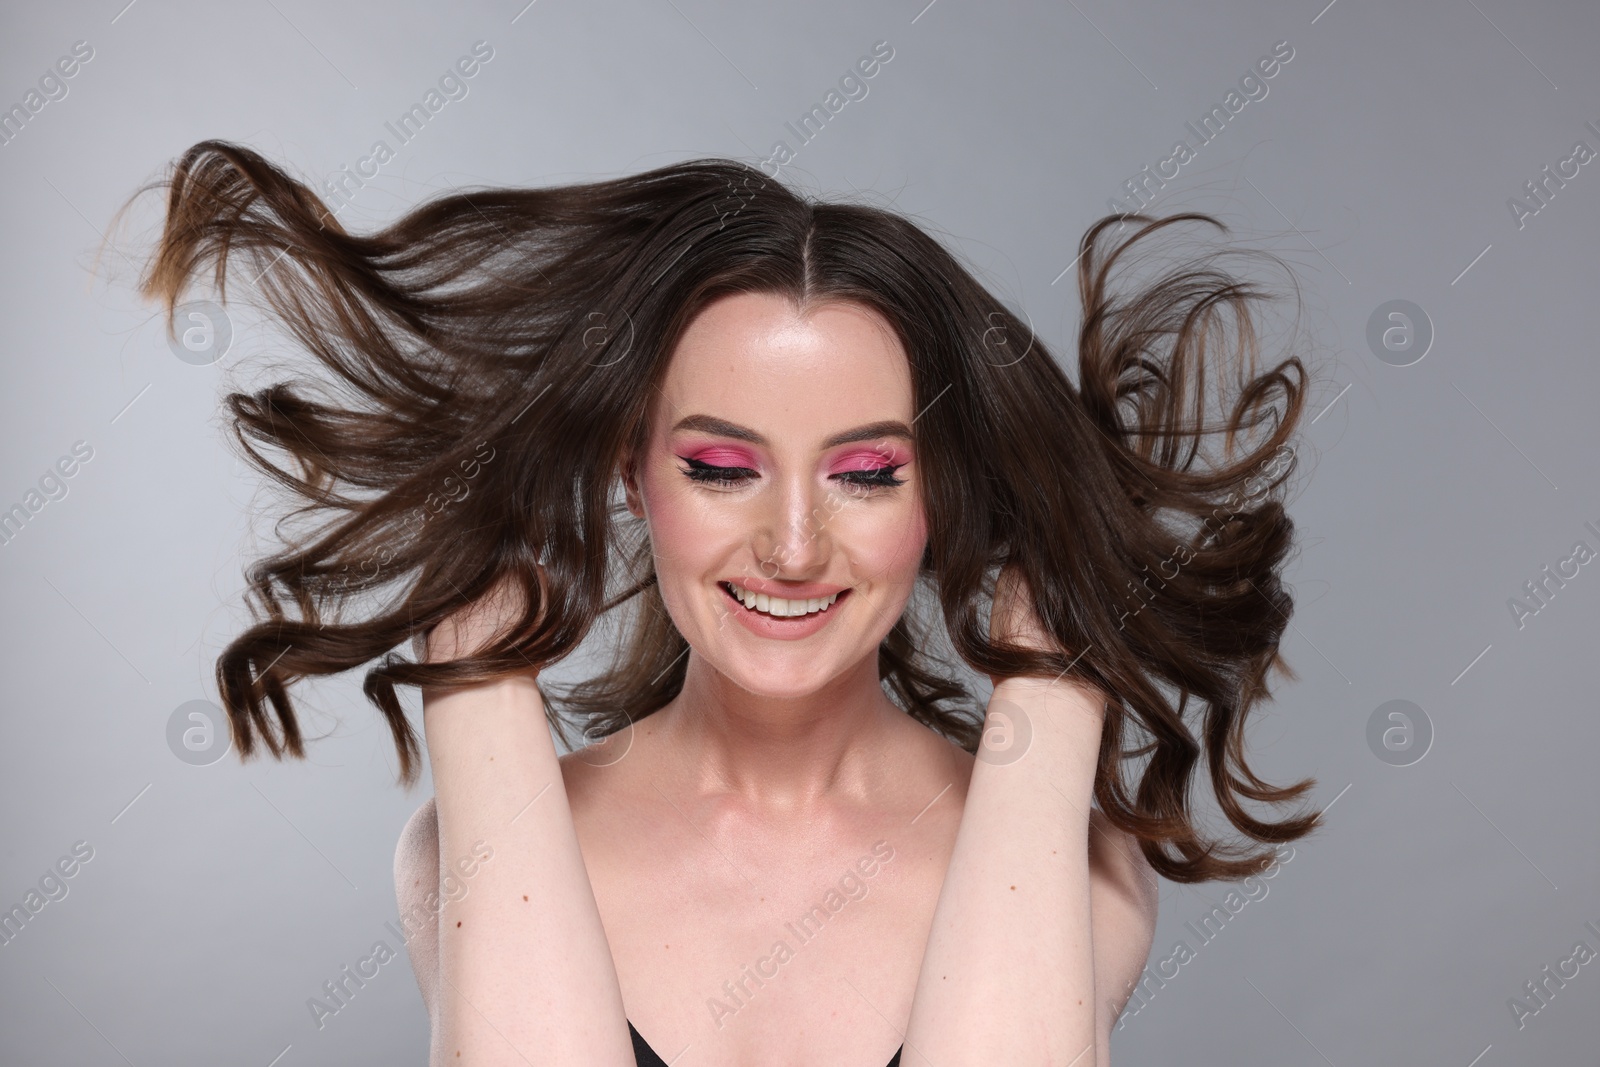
(493, 353)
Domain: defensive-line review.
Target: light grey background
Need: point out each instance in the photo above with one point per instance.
(220, 898)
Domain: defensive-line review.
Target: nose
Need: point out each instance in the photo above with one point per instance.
(791, 538)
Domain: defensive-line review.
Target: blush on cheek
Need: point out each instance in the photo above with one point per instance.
(898, 545)
(688, 532)
(671, 513)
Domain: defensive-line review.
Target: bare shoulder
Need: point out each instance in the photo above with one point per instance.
(416, 890)
(1124, 892)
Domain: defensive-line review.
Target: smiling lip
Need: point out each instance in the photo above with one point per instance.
(792, 627)
(787, 590)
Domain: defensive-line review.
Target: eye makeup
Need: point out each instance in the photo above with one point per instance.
(865, 467)
(721, 456)
(873, 458)
(700, 471)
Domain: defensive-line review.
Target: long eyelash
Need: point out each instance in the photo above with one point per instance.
(881, 476)
(700, 471)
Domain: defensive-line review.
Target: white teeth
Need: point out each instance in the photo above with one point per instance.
(779, 606)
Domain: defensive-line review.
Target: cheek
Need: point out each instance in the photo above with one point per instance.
(888, 542)
(672, 522)
(913, 541)
(688, 531)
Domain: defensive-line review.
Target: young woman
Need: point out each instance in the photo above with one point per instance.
(813, 463)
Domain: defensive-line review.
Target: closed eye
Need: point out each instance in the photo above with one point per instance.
(701, 471)
(880, 476)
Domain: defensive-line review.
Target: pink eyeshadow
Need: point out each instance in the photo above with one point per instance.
(723, 456)
(867, 459)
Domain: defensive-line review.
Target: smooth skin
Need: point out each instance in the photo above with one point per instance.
(648, 877)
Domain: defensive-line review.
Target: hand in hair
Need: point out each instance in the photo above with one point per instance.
(1012, 618)
(474, 627)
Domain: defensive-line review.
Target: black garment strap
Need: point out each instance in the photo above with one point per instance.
(646, 1056)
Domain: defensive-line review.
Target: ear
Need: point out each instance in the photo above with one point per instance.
(630, 487)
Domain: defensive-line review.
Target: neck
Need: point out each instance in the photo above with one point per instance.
(782, 753)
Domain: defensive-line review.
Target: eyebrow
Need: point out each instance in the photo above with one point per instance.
(724, 428)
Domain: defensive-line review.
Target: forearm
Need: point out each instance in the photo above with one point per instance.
(1008, 972)
(525, 973)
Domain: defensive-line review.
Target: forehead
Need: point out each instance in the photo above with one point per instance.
(754, 359)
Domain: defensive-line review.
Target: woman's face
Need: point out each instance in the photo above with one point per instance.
(780, 469)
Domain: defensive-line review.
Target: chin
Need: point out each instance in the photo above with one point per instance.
(783, 673)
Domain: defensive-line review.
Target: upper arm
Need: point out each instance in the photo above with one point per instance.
(1123, 895)
(416, 890)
